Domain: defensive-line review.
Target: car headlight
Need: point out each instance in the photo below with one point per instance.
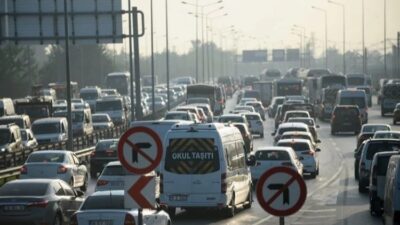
(3, 149)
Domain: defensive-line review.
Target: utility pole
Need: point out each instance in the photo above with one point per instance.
(363, 38)
(384, 38)
(167, 53)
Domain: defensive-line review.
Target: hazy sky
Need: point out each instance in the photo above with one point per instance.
(269, 23)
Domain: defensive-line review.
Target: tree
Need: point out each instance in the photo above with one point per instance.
(89, 64)
(19, 70)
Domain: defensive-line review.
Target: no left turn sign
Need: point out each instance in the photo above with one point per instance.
(140, 150)
(281, 191)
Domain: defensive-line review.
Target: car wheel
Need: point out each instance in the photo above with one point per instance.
(171, 212)
(249, 199)
(313, 175)
(85, 184)
(57, 220)
(230, 209)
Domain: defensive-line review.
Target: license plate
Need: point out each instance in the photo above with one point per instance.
(178, 197)
(346, 124)
(9, 208)
(100, 222)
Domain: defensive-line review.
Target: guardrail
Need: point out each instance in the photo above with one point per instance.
(83, 147)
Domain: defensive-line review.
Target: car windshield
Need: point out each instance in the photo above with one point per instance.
(272, 155)
(102, 106)
(46, 158)
(386, 146)
(104, 202)
(89, 95)
(46, 128)
(297, 146)
(5, 136)
(374, 128)
(24, 189)
(100, 118)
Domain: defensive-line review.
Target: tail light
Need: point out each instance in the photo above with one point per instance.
(110, 152)
(308, 153)
(333, 117)
(129, 220)
(41, 204)
(221, 101)
(287, 164)
(24, 170)
(224, 185)
(62, 169)
(161, 183)
(93, 154)
(102, 182)
(74, 220)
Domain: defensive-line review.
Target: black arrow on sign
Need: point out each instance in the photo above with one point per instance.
(285, 192)
(140, 146)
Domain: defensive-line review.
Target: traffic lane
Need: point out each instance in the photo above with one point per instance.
(354, 205)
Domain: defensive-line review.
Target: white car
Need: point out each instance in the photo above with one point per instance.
(28, 139)
(256, 124)
(305, 152)
(57, 164)
(244, 108)
(111, 178)
(269, 157)
(102, 121)
(386, 135)
(285, 127)
(107, 207)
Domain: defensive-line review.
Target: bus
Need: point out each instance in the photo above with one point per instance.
(61, 89)
(271, 74)
(333, 81)
(211, 92)
(311, 76)
(358, 79)
(285, 87)
(120, 81)
(390, 97)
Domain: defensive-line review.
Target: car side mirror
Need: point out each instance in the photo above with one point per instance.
(317, 149)
(317, 126)
(318, 141)
(79, 193)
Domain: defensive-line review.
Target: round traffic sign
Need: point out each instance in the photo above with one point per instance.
(281, 191)
(140, 150)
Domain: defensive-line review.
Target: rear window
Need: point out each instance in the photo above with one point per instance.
(373, 129)
(46, 157)
(192, 156)
(20, 189)
(105, 145)
(114, 171)
(347, 112)
(297, 114)
(381, 147)
(283, 130)
(272, 155)
(383, 162)
(104, 202)
(231, 119)
(358, 101)
(294, 136)
(253, 117)
(252, 94)
(296, 146)
(309, 122)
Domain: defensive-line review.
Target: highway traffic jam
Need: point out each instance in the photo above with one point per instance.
(214, 148)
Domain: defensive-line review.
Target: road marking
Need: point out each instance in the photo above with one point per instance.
(318, 210)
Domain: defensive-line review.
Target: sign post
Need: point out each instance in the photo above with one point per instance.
(281, 191)
(140, 151)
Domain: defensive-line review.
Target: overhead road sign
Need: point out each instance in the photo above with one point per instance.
(292, 54)
(140, 150)
(42, 21)
(249, 56)
(281, 191)
(278, 55)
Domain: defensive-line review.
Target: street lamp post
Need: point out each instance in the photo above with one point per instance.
(302, 46)
(384, 37)
(363, 39)
(344, 32)
(326, 34)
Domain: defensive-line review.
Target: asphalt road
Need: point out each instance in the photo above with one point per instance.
(332, 197)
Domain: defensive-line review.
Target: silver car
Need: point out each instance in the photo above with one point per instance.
(112, 177)
(38, 201)
(107, 207)
(56, 164)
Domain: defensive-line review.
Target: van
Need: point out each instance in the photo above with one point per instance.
(354, 97)
(377, 181)
(114, 107)
(90, 95)
(50, 130)
(205, 166)
(391, 205)
(6, 107)
(10, 138)
(82, 123)
(23, 121)
(372, 147)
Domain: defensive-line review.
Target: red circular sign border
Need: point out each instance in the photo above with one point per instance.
(122, 141)
(298, 178)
